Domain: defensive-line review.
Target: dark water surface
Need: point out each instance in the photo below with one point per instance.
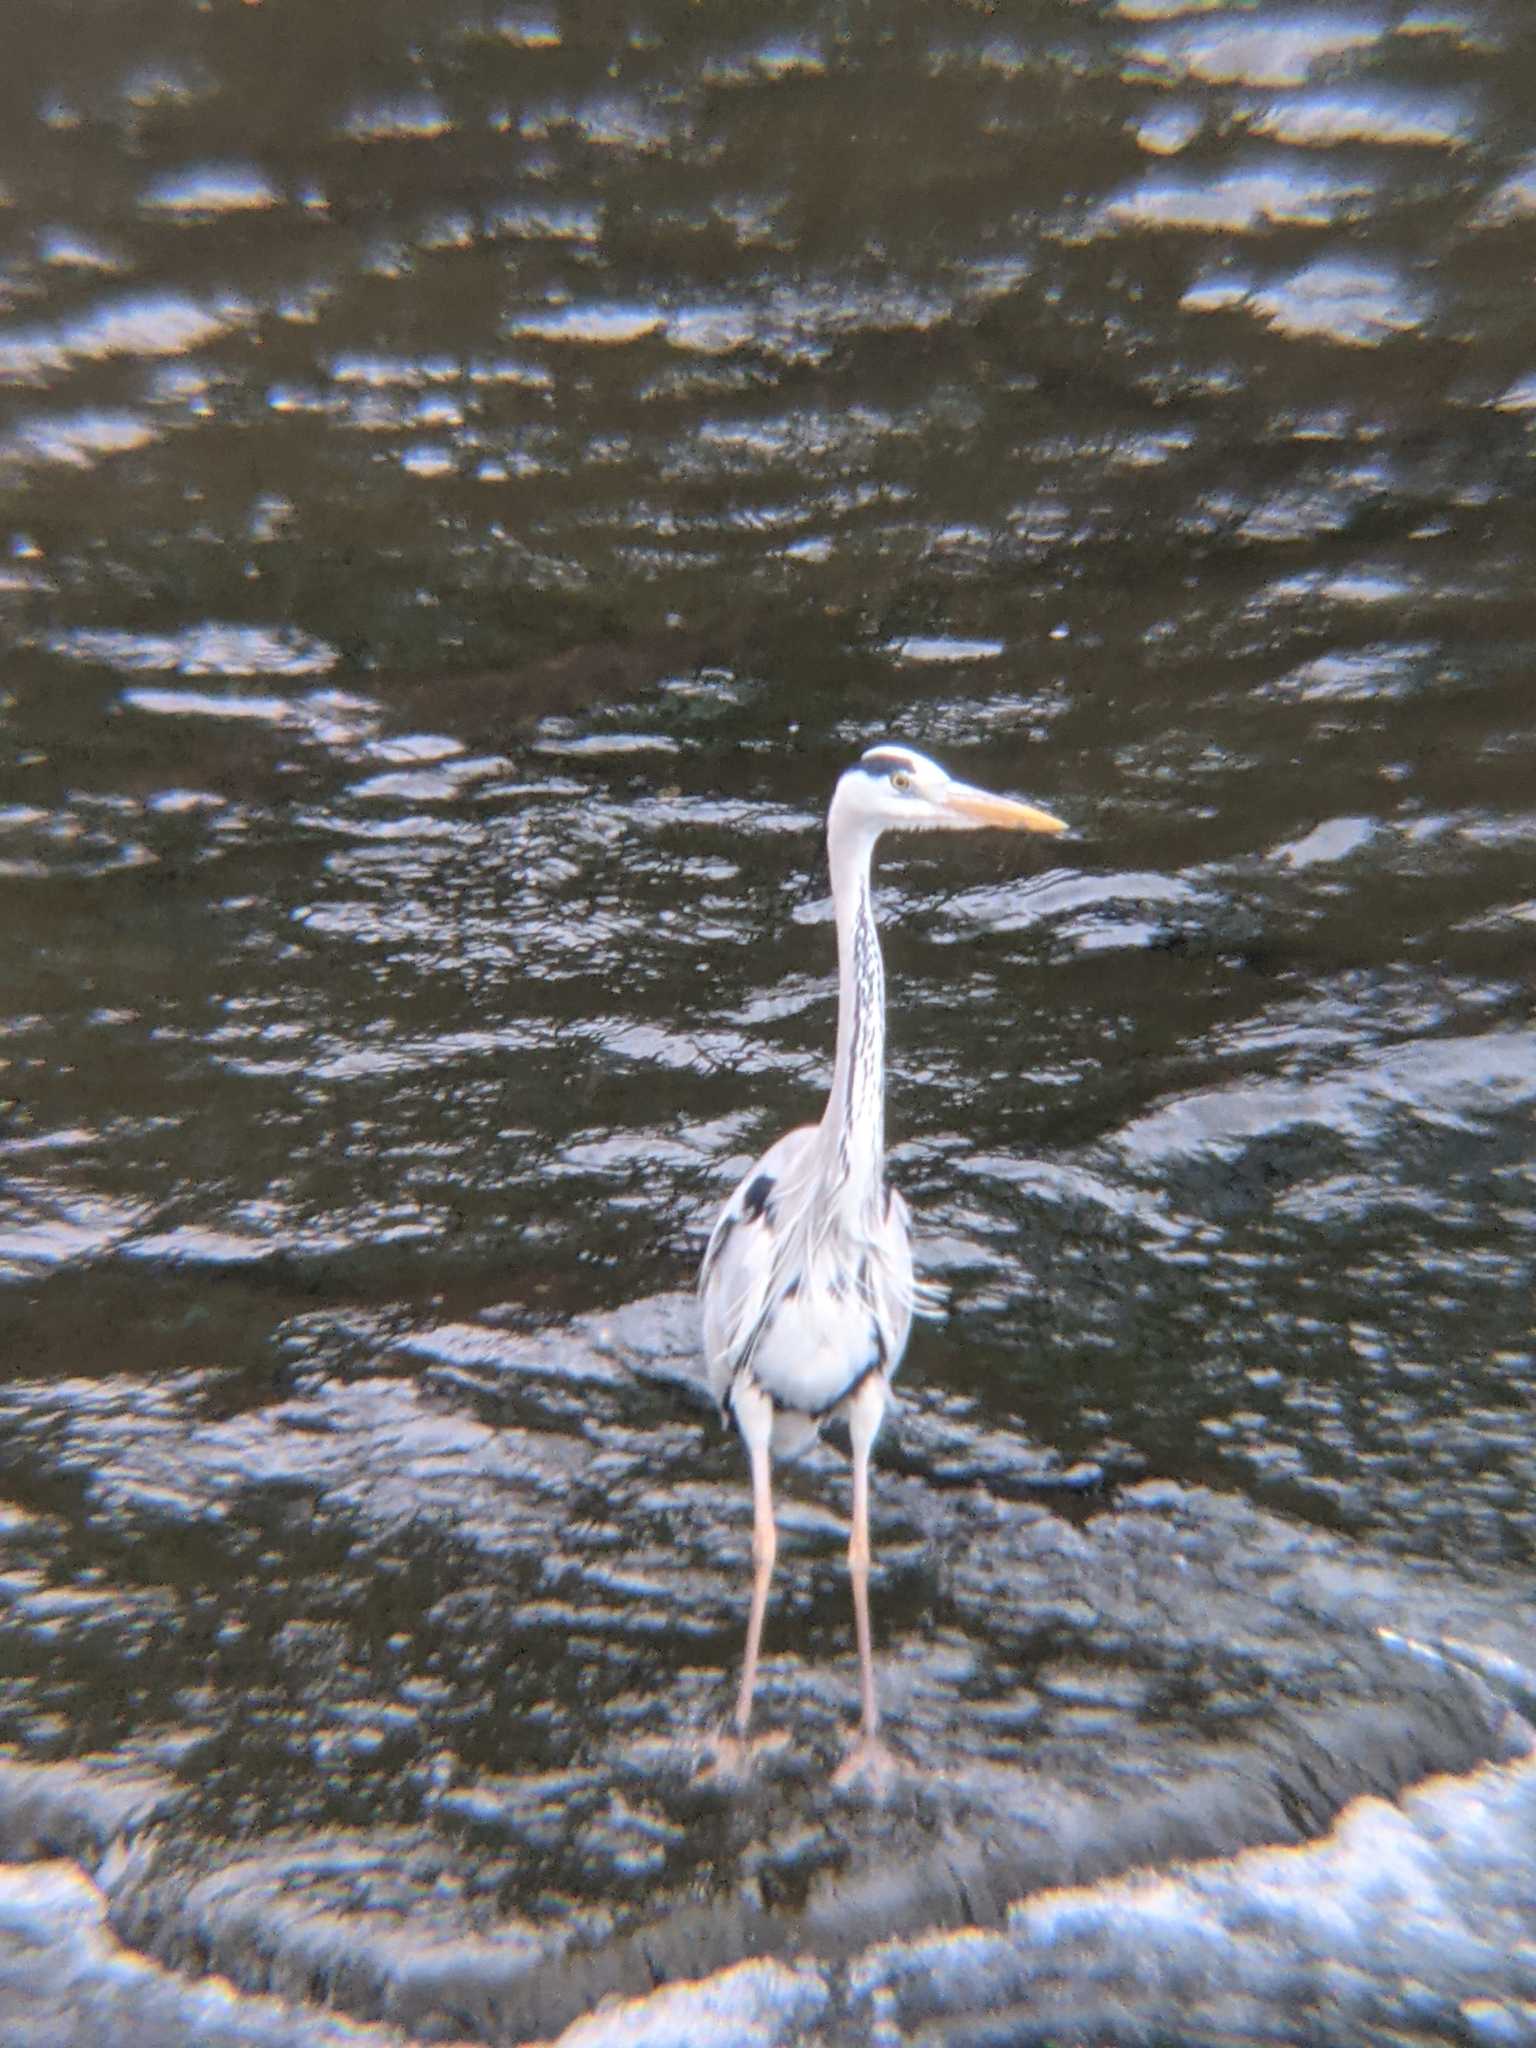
(471, 480)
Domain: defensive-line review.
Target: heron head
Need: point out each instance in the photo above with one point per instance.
(895, 788)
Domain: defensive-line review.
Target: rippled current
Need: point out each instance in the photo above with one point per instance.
(471, 479)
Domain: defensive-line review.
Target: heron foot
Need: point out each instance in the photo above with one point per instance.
(727, 1758)
(871, 1764)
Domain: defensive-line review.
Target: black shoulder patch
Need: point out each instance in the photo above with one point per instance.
(754, 1202)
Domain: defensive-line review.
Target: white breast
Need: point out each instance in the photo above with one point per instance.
(806, 1306)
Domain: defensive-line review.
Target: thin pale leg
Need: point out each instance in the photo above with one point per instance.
(858, 1550)
(754, 1416)
(865, 1412)
(730, 1751)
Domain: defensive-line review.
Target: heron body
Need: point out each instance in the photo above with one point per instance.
(805, 1314)
(807, 1287)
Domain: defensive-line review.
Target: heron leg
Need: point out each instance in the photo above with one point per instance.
(864, 1416)
(754, 1417)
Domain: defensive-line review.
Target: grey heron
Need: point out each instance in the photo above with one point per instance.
(807, 1288)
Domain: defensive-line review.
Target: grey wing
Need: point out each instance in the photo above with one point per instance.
(739, 1272)
(902, 1292)
(894, 1287)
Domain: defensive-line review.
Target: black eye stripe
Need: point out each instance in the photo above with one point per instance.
(886, 761)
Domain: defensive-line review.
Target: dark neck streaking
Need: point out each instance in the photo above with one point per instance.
(854, 1120)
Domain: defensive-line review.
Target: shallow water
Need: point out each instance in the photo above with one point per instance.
(468, 490)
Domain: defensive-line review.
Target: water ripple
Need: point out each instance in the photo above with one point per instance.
(1451, 1082)
(209, 649)
(1323, 120)
(148, 324)
(409, 117)
(77, 439)
(1359, 303)
(209, 191)
(1279, 50)
(1238, 201)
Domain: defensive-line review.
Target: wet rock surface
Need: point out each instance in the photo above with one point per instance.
(1158, 1680)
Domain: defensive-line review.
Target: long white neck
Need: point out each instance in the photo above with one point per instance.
(853, 1124)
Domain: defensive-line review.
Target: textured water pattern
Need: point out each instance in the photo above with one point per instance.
(469, 487)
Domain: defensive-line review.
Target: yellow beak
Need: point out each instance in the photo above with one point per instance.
(980, 807)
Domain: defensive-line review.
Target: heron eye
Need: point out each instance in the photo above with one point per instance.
(900, 779)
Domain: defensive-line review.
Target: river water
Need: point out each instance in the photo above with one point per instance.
(471, 480)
